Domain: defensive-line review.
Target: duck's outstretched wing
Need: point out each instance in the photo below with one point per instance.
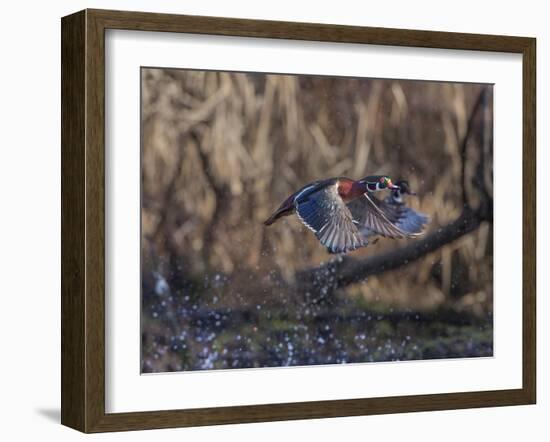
(410, 220)
(375, 217)
(407, 219)
(325, 213)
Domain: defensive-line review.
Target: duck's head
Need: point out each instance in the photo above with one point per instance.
(377, 182)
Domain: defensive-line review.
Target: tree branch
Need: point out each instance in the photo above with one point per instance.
(345, 271)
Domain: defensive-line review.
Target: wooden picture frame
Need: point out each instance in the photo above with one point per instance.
(83, 220)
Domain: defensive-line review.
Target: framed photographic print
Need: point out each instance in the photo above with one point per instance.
(267, 220)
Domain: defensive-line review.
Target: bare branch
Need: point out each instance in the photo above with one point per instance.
(340, 273)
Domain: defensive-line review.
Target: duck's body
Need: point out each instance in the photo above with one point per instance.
(324, 207)
(345, 188)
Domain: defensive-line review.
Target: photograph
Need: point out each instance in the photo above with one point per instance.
(300, 220)
(249, 221)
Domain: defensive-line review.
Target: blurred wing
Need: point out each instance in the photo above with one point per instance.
(326, 214)
(407, 219)
(375, 217)
(410, 220)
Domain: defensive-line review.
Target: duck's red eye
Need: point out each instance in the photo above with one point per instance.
(382, 179)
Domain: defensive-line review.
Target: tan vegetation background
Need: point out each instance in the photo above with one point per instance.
(221, 151)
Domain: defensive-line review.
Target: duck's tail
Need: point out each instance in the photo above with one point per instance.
(272, 219)
(280, 212)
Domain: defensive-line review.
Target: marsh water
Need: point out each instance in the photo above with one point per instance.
(187, 334)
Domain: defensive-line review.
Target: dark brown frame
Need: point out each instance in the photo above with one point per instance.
(83, 217)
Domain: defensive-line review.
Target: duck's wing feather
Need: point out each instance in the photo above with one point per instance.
(376, 217)
(325, 213)
(407, 219)
(410, 220)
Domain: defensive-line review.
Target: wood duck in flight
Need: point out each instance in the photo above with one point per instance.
(343, 213)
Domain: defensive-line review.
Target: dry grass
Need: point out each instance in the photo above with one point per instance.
(222, 150)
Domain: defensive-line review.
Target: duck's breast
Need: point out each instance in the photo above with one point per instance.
(349, 189)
